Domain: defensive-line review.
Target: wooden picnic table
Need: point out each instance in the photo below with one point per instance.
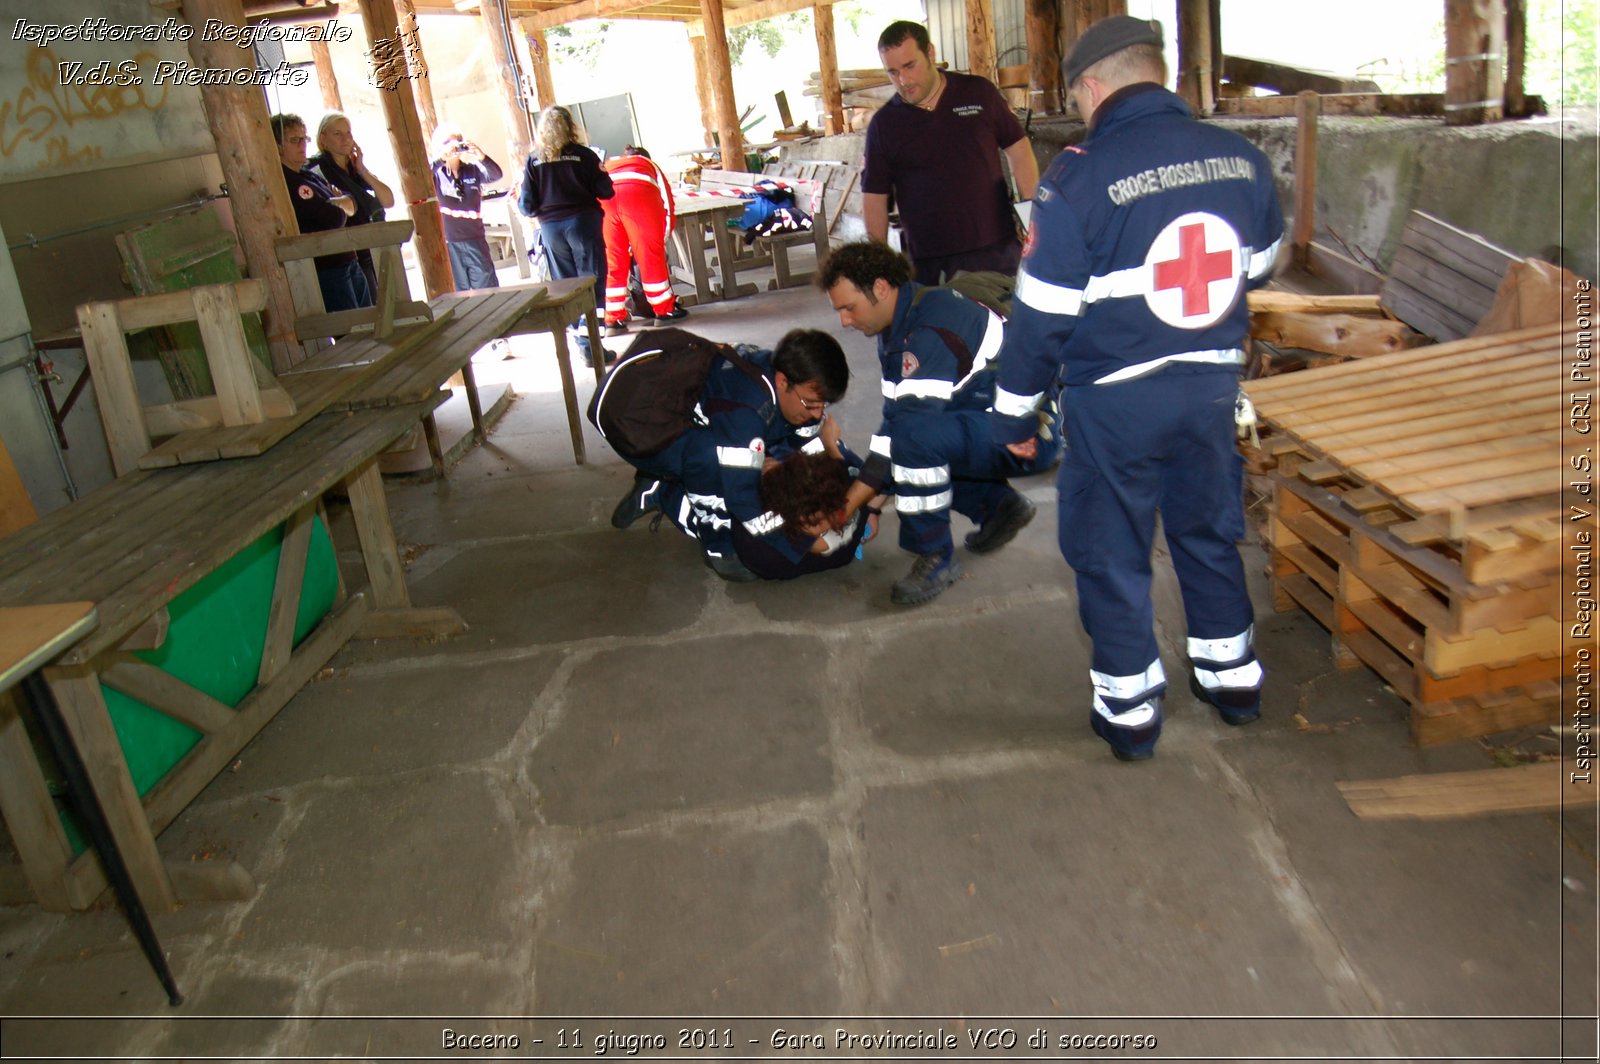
(429, 354)
(696, 215)
(131, 548)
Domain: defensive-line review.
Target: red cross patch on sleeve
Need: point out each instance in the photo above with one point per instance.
(305, 192)
(909, 364)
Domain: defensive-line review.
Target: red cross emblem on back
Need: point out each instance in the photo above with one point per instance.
(1194, 269)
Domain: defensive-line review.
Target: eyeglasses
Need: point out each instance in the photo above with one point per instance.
(812, 406)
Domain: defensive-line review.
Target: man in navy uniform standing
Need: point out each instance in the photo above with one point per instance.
(1143, 241)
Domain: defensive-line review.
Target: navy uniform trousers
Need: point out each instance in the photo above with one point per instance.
(1161, 442)
(949, 460)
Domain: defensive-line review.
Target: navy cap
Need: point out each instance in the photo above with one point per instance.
(1107, 37)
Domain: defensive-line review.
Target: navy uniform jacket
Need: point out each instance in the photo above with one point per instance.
(747, 425)
(1142, 244)
(936, 355)
(315, 212)
(461, 197)
(565, 186)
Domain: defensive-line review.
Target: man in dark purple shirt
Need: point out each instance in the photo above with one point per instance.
(936, 147)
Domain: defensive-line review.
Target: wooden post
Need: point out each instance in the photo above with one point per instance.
(410, 155)
(1474, 63)
(1216, 51)
(497, 26)
(1078, 15)
(1516, 57)
(720, 71)
(421, 84)
(327, 81)
(544, 89)
(237, 115)
(702, 86)
(827, 68)
(1044, 56)
(1307, 106)
(1194, 55)
(980, 39)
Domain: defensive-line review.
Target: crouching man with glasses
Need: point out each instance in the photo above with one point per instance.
(708, 481)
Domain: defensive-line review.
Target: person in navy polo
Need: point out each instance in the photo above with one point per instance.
(318, 207)
(1143, 241)
(935, 147)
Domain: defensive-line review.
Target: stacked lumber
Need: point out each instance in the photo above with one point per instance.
(1314, 329)
(1415, 514)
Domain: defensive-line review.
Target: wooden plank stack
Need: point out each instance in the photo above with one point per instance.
(1415, 513)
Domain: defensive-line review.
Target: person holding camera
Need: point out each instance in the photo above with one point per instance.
(460, 170)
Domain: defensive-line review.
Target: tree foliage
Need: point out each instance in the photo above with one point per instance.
(769, 33)
(577, 42)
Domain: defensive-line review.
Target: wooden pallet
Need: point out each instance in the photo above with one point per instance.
(1415, 514)
(1437, 433)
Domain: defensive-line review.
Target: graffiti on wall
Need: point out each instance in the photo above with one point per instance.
(45, 116)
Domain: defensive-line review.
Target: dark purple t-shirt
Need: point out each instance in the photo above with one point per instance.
(943, 166)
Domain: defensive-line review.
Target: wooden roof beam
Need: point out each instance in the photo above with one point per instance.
(757, 12)
(584, 9)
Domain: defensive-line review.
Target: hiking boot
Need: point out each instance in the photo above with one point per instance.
(616, 328)
(643, 498)
(1129, 744)
(1235, 705)
(1009, 517)
(678, 314)
(730, 568)
(930, 574)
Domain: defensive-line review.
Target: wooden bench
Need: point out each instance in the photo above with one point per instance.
(392, 302)
(252, 410)
(774, 250)
(1443, 279)
(133, 547)
(1441, 283)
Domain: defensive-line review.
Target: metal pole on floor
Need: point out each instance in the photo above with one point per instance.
(86, 806)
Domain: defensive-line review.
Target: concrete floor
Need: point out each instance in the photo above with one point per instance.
(631, 790)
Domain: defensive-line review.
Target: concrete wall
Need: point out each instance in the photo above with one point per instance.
(1524, 185)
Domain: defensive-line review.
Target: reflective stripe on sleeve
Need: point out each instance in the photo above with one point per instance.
(917, 388)
(880, 445)
(1262, 261)
(1134, 281)
(738, 458)
(1010, 404)
(814, 446)
(1046, 297)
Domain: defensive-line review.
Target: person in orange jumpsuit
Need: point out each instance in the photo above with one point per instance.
(638, 220)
